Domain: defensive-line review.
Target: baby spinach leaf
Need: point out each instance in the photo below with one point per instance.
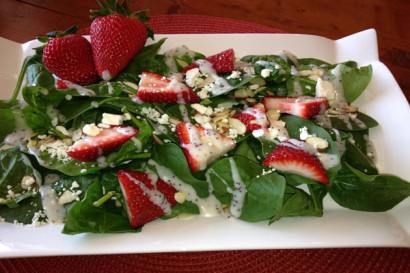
(264, 191)
(264, 198)
(171, 157)
(7, 122)
(374, 194)
(186, 207)
(359, 159)
(355, 80)
(38, 74)
(14, 166)
(280, 69)
(297, 203)
(293, 125)
(84, 217)
(358, 122)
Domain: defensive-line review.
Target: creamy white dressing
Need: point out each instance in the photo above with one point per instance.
(154, 195)
(184, 113)
(111, 89)
(54, 211)
(208, 207)
(137, 143)
(80, 89)
(297, 88)
(177, 52)
(220, 86)
(239, 192)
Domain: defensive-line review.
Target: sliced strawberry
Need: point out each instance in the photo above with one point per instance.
(202, 146)
(70, 58)
(221, 62)
(146, 197)
(89, 148)
(60, 84)
(155, 87)
(295, 156)
(303, 106)
(254, 117)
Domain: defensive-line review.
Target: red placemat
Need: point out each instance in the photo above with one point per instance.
(386, 260)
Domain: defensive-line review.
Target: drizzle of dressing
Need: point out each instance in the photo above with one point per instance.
(208, 207)
(54, 211)
(184, 113)
(154, 195)
(220, 86)
(137, 143)
(80, 89)
(239, 192)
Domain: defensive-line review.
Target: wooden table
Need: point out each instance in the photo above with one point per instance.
(21, 21)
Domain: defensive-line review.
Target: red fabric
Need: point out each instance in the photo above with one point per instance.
(350, 260)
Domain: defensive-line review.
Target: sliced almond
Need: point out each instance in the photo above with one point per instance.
(237, 125)
(318, 143)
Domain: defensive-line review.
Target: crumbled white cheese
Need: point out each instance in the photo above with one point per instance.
(258, 133)
(112, 119)
(266, 72)
(150, 113)
(304, 134)
(203, 110)
(234, 75)
(164, 119)
(56, 148)
(91, 129)
(193, 78)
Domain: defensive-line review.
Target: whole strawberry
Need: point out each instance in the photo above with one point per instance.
(70, 58)
(116, 38)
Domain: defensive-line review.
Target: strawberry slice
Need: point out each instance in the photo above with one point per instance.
(89, 148)
(60, 84)
(146, 197)
(202, 146)
(221, 62)
(254, 117)
(303, 106)
(295, 156)
(155, 87)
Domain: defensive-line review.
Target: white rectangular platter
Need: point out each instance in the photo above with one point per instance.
(339, 227)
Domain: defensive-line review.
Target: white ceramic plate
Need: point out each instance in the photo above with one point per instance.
(338, 227)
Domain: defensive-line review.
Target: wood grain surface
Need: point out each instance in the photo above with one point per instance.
(21, 21)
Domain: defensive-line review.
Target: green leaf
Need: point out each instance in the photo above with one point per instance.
(355, 81)
(297, 203)
(374, 194)
(38, 75)
(84, 217)
(171, 157)
(358, 122)
(14, 165)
